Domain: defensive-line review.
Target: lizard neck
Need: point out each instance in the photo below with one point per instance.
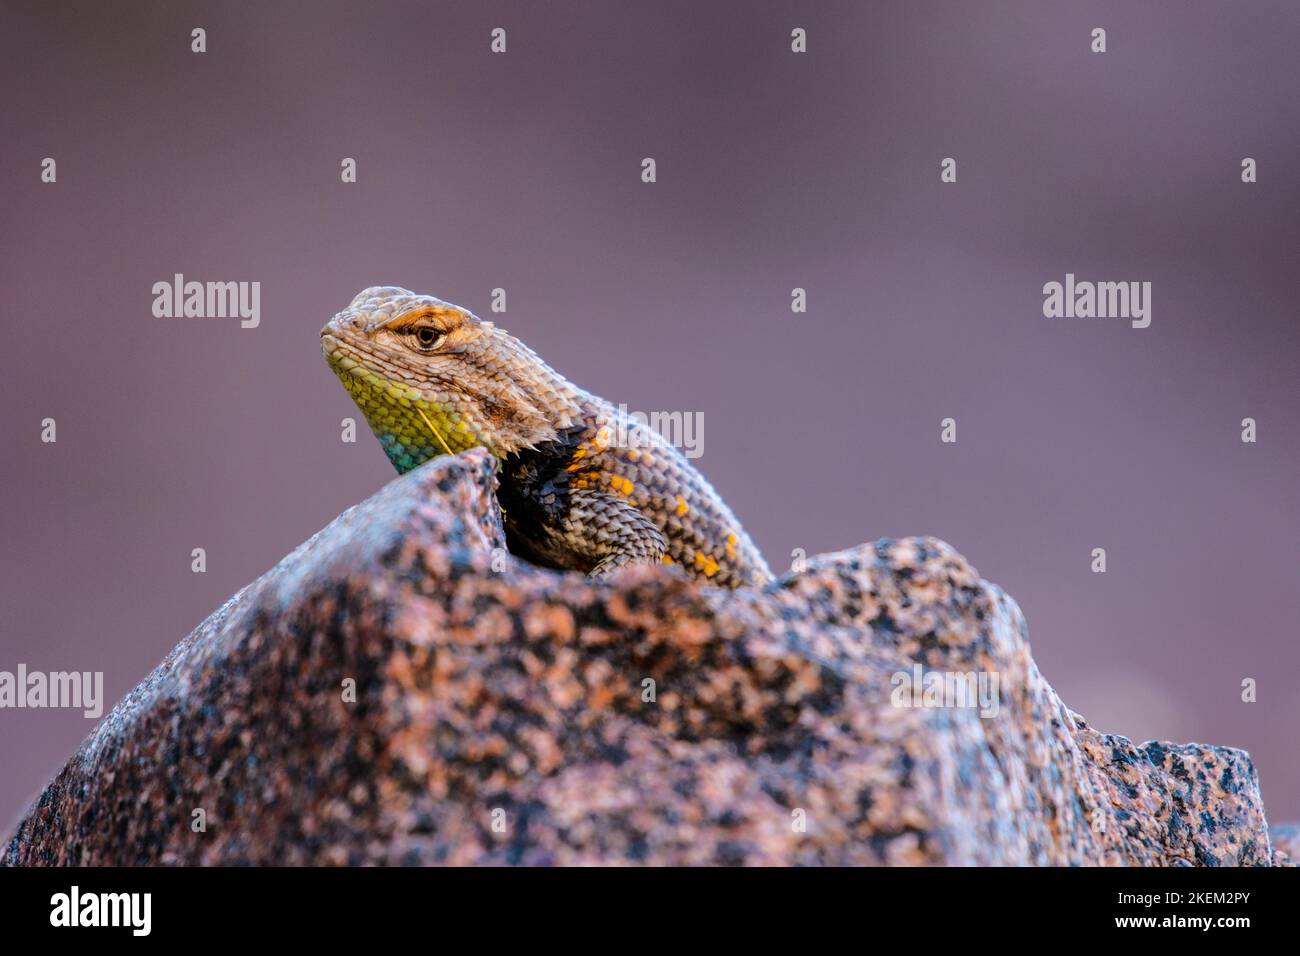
(505, 417)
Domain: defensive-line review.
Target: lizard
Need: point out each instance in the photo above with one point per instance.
(582, 484)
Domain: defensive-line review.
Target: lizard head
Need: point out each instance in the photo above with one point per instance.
(433, 378)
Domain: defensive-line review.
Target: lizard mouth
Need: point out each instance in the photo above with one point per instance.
(348, 358)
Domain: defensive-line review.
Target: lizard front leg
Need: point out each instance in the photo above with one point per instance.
(607, 532)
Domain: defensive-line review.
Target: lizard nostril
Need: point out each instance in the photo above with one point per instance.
(339, 323)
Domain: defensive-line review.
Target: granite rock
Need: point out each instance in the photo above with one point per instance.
(507, 714)
(1285, 839)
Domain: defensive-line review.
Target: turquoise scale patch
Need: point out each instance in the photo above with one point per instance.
(404, 457)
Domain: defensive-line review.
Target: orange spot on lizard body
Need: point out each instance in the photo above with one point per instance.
(706, 564)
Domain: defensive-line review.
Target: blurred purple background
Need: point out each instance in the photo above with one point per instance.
(775, 170)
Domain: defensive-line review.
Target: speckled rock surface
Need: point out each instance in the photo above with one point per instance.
(1286, 844)
(503, 714)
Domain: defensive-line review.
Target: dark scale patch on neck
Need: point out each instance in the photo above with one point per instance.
(534, 493)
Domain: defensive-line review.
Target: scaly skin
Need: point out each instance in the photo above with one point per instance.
(433, 379)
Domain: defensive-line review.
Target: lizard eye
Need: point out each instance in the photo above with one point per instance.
(427, 339)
